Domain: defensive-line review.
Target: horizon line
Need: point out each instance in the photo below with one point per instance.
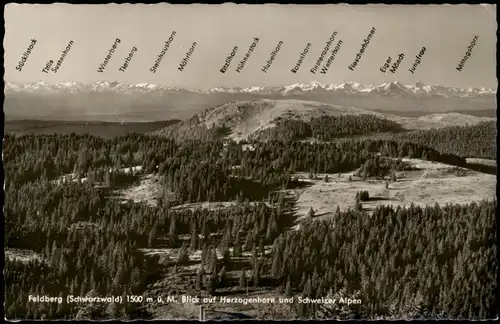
(240, 87)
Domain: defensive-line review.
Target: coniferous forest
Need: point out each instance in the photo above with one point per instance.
(434, 261)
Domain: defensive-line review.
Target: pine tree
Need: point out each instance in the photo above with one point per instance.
(243, 280)
(212, 282)
(307, 291)
(256, 273)
(199, 278)
(237, 246)
(248, 241)
(172, 232)
(262, 249)
(310, 214)
(194, 240)
(213, 260)
(226, 257)
(288, 289)
(183, 255)
(223, 277)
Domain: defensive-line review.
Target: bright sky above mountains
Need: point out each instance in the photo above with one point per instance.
(446, 32)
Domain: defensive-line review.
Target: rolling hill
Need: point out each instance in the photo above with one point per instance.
(244, 119)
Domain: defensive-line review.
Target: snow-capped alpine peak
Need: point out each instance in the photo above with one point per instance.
(389, 88)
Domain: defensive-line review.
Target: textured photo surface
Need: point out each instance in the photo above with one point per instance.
(283, 162)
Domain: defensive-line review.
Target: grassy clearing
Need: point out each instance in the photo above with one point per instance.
(430, 183)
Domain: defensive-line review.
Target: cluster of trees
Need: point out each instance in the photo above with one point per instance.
(91, 244)
(326, 128)
(377, 166)
(200, 171)
(446, 255)
(362, 195)
(473, 141)
(83, 252)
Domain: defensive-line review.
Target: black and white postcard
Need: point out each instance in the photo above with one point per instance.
(231, 161)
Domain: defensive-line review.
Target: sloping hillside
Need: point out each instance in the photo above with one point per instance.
(454, 119)
(245, 118)
(249, 117)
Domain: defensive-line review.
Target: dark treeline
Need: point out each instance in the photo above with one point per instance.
(206, 166)
(434, 262)
(102, 129)
(326, 128)
(476, 141)
(440, 259)
(91, 244)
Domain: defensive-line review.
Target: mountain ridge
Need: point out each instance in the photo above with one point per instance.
(112, 101)
(244, 119)
(390, 88)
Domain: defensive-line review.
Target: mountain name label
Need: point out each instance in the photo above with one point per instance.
(46, 69)
(330, 59)
(395, 65)
(163, 52)
(103, 65)
(325, 51)
(25, 55)
(272, 57)
(364, 46)
(418, 60)
(128, 59)
(228, 60)
(467, 54)
(242, 63)
(301, 58)
(185, 60)
(63, 56)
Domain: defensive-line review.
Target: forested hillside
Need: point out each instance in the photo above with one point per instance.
(435, 261)
(326, 128)
(473, 141)
(30, 157)
(479, 141)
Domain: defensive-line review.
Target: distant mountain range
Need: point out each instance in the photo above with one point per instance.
(114, 101)
(386, 89)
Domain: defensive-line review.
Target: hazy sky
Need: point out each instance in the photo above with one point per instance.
(444, 30)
